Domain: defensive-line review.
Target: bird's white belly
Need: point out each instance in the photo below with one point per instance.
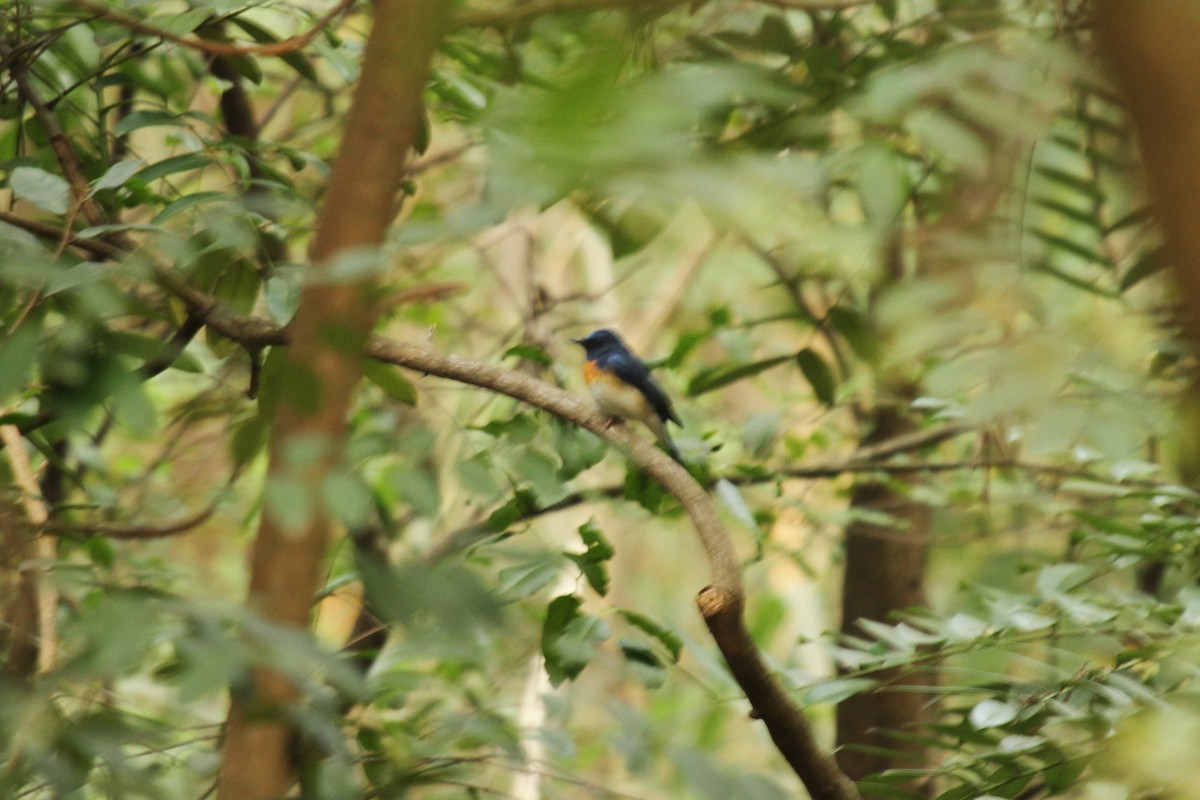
(620, 400)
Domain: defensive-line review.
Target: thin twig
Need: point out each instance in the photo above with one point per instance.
(94, 247)
(115, 530)
(280, 48)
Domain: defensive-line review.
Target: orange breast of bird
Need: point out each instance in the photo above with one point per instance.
(614, 396)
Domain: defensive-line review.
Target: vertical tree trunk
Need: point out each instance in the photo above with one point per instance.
(321, 371)
(1151, 48)
(885, 572)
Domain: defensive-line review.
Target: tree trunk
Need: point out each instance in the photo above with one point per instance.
(321, 371)
(885, 572)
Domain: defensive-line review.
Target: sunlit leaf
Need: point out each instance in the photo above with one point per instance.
(118, 174)
(45, 190)
(838, 689)
(993, 713)
(525, 580)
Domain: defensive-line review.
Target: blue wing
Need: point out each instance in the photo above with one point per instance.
(631, 370)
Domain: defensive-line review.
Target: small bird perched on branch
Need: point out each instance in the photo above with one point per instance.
(623, 387)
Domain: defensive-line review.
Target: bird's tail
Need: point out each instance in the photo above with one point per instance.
(659, 428)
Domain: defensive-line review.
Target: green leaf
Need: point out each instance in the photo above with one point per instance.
(883, 186)
(417, 486)
(1086, 285)
(524, 580)
(146, 118)
(644, 490)
(1081, 184)
(570, 640)
(188, 201)
(173, 165)
(249, 439)
(993, 713)
(539, 470)
(644, 662)
(1085, 252)
(664, 635)
(1086, 216)
(688, 341)
(578, 449)
(529, 353)
(1134, 217)
(717, 377)
(149, 347)
(18, 355)
(348, 498)
(953, 139)
(238, 285)
(836, 690)
(592, 562)
(819, 375)
(293, 58)
(243, 64)
(856, 330)
(520, 428)
(446, 597)
(518, 507)
(43, 189)
(1062, 775)
(476, 475)
(1151, 263)
(117, 174)
(391, 381)
(732, 500)
(132, 408)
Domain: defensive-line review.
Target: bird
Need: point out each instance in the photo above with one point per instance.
(623, 388)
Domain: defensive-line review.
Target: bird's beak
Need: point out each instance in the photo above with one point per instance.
(577, 341)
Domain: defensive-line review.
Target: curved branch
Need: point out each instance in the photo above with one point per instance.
(721, 603)
(722, 558)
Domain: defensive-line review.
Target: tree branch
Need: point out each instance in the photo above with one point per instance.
(519, 13)
(721, 603)
(280, 48)
(126, 531)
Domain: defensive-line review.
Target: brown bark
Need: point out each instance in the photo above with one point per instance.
(885, 572)
(1151, 48)
(18, 588)
(322, 370)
